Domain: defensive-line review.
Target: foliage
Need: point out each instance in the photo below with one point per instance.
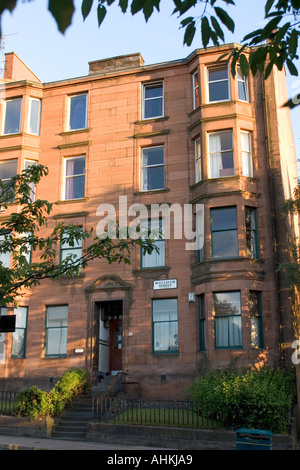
(275, 44)
(291, 268)
(254, 398)
(34, 403)
(71, 384)
(21, 235)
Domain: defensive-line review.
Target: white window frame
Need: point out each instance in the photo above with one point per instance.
(195, 88)
(143, 168)
(31, 100)
(65, 177)
(145, 85)
(154, 260)
(247, 154)
(198, 160)
(4, 115)
(211, 67)
(28, 163)
(242, 79)
(70, 97)
(62, 331)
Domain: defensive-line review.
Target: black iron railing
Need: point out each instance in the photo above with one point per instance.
(8, 402)
(183, 414)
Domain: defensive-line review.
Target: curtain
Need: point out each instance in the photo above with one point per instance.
(215, 155)
(70, 179)
(246, 154)
(228, 332)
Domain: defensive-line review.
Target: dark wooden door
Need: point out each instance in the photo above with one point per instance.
(115, 329)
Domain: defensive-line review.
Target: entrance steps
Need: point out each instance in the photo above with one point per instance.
(72, 423)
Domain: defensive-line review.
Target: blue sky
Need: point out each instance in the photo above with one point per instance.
(31, 32)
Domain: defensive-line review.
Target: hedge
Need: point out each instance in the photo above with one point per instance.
(252, 398)
(34, 403)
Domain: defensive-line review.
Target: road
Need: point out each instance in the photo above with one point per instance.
(37, 443)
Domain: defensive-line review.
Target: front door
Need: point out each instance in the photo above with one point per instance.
(115, 340)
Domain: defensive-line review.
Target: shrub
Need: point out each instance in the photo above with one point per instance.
(254, 398)
(35, 403)
(71, 384)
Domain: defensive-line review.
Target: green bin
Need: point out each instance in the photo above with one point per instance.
(253, 439)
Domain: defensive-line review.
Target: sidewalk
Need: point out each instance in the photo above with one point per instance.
(36, 443)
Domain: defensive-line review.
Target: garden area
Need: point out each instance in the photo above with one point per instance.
(260, 399)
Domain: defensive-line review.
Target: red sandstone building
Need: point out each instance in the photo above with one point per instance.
(177, 133)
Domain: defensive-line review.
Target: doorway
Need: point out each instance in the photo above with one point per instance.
(110, 337)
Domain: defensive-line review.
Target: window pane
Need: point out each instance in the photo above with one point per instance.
(75, 166)
(34, 117)
(57, 316)
(4, 257)
(251, 232)
(218, 84)
(8, 169)
(78, 112)
(223, 219)
(225, 244)
(12, 116)
(21, 317)
(220, 73)
(56, 341)
(18, 343)
(196, 97)
(153, 156)
(227, 303)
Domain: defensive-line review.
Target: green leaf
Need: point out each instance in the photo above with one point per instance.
(269, 28)
(225, 18)
(205, 31)
(123, 4)
(292, 68)
(189, 33)
(101, 12)
(7, 5)
(86, 7)
(253, 34)
(136, 6)
(244, 64)
(268, 6)
(217, 27)
(293, 43)
(62, 11)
